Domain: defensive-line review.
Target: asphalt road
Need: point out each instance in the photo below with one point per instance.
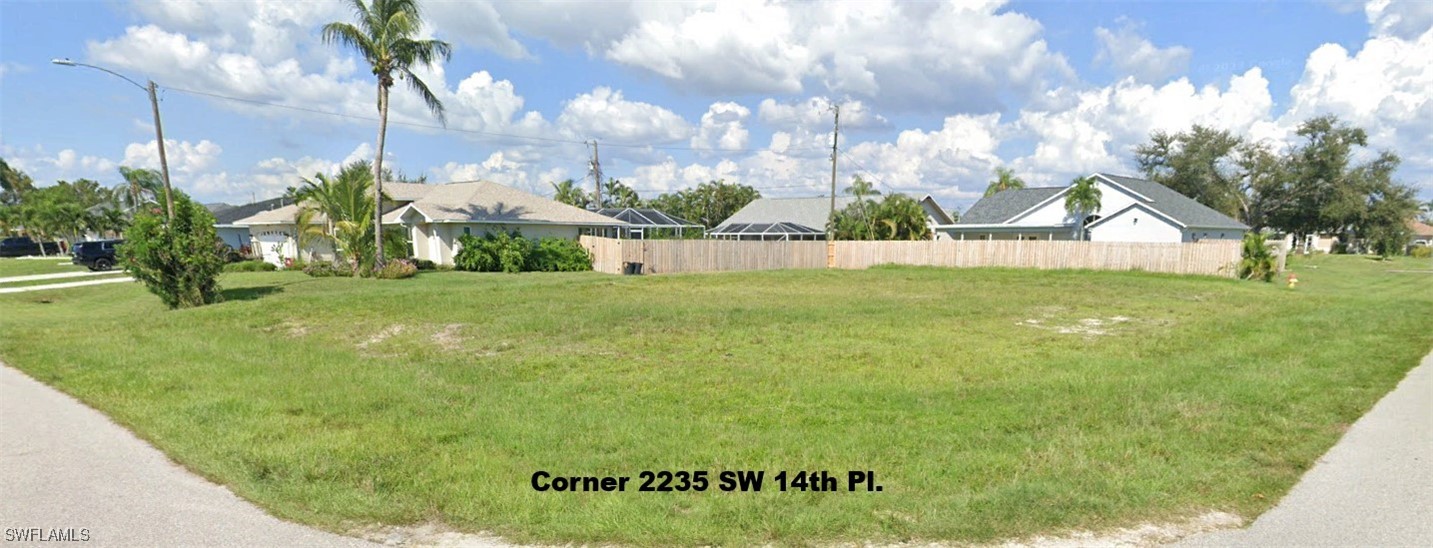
(1374, 488)
(66, 469)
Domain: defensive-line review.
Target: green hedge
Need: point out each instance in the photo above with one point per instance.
(510, 252)
(250, 266)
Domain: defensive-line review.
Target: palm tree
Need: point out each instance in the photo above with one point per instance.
(306, 232)
(569, 193)
(384, 35)
(347, 203)
(1081, 201)
(140, 186)
(1005, 179)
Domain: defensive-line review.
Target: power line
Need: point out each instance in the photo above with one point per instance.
(470, 131)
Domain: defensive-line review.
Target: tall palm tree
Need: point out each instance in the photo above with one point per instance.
(140, 186)
(1005, 179)
(385, 35)
(1082, 200)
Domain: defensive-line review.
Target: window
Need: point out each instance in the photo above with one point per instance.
(467, 231)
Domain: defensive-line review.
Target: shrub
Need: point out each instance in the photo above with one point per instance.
(1256, 262)
(425, 264)
(177, 260)
(1421, 252)
(561, 255)
(395, 270)
(250, 266)
(327, 270)
(510, 252)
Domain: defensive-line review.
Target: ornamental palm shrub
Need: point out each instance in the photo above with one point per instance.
(1256, 261)
(179, 261)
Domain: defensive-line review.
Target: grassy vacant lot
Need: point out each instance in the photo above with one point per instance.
(990, 403)
(25, 267)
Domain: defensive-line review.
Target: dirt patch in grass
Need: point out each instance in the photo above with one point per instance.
(387, 333)
(428, 534)
(449, 337)
(1147, 534)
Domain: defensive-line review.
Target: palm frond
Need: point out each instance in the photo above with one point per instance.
(434, 104)
(348, 35)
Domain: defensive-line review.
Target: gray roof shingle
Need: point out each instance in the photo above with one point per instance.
(808, 212)
(1177, 206)
(1003, 205)
(488, 202)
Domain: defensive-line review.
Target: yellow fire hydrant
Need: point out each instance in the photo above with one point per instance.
(1293, 280)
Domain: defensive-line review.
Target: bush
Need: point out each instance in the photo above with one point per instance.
(250, 266)
(1421, 252)
(327, 270)
(425, 264)
(396, 270)
(561, 255)
(177, 260)
(1256, 262)
(510, 252)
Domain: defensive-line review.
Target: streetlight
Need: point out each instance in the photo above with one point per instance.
(158, 128)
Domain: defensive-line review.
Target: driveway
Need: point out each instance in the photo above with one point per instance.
(66, 470)
(1374, 488)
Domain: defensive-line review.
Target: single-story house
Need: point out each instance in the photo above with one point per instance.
(643, 222)
(446, 212)
(780, 219)
(1131, 210)
(271, 236)
(1422, 233)
(226, 215)
(936, 216)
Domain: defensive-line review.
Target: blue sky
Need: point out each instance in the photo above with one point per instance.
(934, 95)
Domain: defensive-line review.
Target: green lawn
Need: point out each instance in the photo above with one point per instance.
(25, 267)
(988, 402)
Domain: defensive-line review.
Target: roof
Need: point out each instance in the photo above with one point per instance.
(765, 229)
(283, 215)
(1177, 206)
(1420, 229)
(488, 202)
(1006, 204)
(646, 217)
(937, 213)
(406, 192)
(228, 214)
(812, 213)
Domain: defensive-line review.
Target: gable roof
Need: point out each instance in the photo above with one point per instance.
(936, 213)
(646, 217)
(1006, 204)
(488, 202)
(1179, 207)
(228, 215)
(811, 213)
(283, 215)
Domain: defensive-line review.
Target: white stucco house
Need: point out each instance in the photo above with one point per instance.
(435, 216)
(436, 220)
(1131, 210)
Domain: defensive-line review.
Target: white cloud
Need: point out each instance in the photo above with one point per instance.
(924, 161)
(183, 156)
(815, 112)
(722, 127)
(1134, 55)
(1406, 19)
(605, 114)
(513, 168)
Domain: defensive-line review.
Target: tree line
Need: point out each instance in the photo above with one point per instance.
(707, 204)
(68, 210)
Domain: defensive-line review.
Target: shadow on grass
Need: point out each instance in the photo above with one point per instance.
(250, 293)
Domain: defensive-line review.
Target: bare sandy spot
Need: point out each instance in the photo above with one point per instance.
(1147, 534)
(289, 327)
(1090, 327)
(448, 338)
(428, 534)
(381, 336)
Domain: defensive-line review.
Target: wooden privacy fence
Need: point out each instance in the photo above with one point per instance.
(1210, 257)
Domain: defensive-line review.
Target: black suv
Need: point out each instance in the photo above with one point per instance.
(21, 246)
(97, 255)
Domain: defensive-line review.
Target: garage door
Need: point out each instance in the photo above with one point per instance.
(274, 246)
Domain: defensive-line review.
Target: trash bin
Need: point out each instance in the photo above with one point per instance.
(632, 269)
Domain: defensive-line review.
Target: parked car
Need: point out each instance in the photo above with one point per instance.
(97, 255)
(21, 246)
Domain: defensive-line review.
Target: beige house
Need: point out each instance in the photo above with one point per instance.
(434, 216)
(447, 212)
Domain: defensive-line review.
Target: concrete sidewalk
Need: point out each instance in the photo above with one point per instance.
(1374, 488)
(65, 468)
(57, 276)
(28, 288)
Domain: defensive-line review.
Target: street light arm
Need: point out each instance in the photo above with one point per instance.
(69, 63)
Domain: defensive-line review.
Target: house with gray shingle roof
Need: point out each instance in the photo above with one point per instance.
(1131, 210)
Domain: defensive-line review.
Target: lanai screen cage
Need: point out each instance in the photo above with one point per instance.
(649, 223)
(766, 231)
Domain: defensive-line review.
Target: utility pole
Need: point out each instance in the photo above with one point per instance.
(163, 162)
(835, 137)
(596, 169)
